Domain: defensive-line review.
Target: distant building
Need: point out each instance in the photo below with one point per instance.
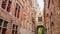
(39, 18)
(16, 17)
(52, 16)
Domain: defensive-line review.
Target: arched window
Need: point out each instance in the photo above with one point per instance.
(4, 2)
(9, 6)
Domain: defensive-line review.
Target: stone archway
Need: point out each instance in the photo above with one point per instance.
(40, 29)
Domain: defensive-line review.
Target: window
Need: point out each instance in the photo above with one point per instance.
(15, 27)
(1, 22)
(9, 5)
(39, 19)
(4, 31)
(51, 17)
(33, 20)
(3, 26)
(17, 10)
(0, 29)
(12, 31)
(48, 3)
(4, 2)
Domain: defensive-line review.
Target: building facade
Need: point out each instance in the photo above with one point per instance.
(51, 16)
(39, 18)
(15, 17)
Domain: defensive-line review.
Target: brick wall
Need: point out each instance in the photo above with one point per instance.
(24, 20)
(53, 7)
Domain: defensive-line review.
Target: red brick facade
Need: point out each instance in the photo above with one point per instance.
(51, 16)
(18, 14)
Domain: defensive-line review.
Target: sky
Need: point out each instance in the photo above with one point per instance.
(41, 4)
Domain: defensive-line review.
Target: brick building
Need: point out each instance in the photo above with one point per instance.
(51, 16)
(15, 17)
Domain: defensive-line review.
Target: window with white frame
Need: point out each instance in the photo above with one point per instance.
(3, 26)
(14, 29)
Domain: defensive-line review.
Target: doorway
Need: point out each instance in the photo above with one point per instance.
(40, 30)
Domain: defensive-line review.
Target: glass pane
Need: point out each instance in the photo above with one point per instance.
(5, 24)
(1, 22)
(3, 6)
(17, 6)
(0, 29)
(16, 27)
(15, 32)
(13, 26)
(39, 19)
(9, 3)
(12, 31)
(8, 8)
(4, 31)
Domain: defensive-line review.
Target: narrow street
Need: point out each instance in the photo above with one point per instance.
(29, 16)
